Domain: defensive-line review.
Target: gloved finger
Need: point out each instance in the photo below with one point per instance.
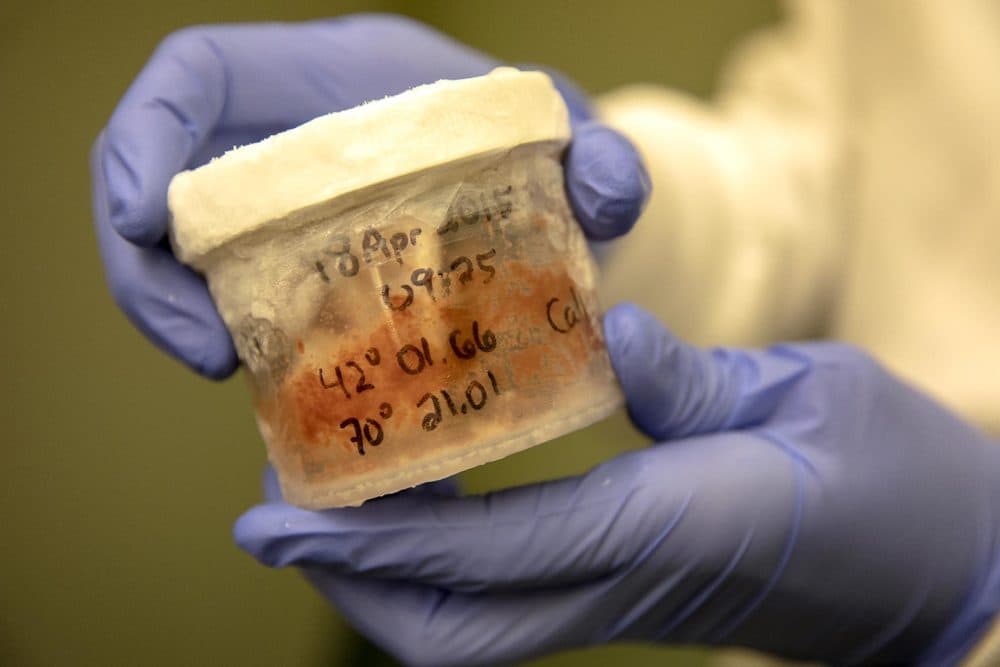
(166, 301)
(161, 121)
(700, 563)
(251, 81)
(549, 534)
(606, 181)
(447, 487)
(675, 390)
(424, 625)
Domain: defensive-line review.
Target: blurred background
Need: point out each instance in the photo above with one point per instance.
(125, 470)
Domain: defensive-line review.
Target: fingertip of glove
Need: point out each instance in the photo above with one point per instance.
(245, 532)
(184, 323)
(255, 533)
(133, 224)
(607, 182)
(625, 331)
(198, 339)
(218, 363)
(645, 356)
(171, 306)
(134, 215)
(624, 326)
(138, 231)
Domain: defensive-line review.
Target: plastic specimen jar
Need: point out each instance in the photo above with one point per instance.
(406, 285)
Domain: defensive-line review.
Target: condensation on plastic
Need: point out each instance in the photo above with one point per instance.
(418, 328)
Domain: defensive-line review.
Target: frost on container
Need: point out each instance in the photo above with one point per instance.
(433, 314)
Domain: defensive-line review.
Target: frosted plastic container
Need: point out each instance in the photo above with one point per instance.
(405, 284)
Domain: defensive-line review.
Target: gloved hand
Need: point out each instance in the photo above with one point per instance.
(804, 502)
(209, 88)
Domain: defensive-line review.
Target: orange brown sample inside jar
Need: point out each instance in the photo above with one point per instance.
(426, 380)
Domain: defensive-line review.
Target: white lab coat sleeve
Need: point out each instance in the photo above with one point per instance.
(741, 239)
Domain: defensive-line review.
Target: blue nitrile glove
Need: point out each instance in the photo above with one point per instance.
(804, 503)
(209, 88)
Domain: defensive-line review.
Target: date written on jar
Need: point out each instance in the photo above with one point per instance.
(351, 377)
(477, 208)
(376, 246)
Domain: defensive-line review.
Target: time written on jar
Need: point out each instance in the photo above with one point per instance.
(348, 253)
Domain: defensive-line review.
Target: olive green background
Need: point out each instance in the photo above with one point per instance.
(123, 471)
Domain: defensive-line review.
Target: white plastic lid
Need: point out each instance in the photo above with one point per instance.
(345, 151)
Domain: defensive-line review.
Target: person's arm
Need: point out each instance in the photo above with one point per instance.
(743, 234)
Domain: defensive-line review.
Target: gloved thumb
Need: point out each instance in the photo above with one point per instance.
(675, 390)
(607, 183)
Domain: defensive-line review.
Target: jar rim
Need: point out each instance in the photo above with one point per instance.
(340, 153)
